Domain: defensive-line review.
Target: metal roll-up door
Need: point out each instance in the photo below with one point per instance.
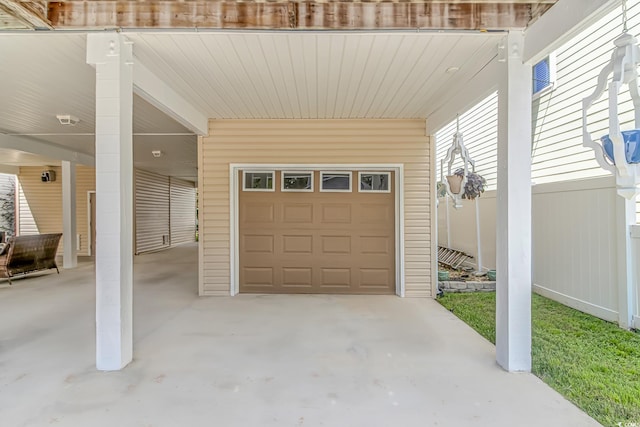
(152, 211)
(183, 211)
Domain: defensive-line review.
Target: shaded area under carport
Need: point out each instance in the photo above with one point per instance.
(252, 360)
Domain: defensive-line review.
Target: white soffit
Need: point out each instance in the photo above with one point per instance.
(288, 75)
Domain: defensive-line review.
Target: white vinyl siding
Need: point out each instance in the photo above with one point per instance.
(479, 127)
(41, 203)
(558, 154)
(182, 211)
(26, 222)
(152, 211)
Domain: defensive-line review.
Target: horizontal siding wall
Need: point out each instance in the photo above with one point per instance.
(182, 211)
(26, 222)
(41, 203)
(319, 142)
(151, 211)
(479, 127)
(558, 154)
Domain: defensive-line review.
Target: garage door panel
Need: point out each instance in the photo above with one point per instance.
(258, 276)
(332, 213)
(258, 243)
(376, 245)
(297, 213)
(257, 213)
(332, 245)
(297, 244)
(375, 277)
(297, 277)
(335, 278)
(317, 242)
(376, 213)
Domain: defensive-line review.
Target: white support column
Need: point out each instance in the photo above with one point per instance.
(625, 218)
(112, 56)
(70, 257)
(513, 298)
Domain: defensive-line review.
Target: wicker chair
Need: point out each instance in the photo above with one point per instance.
(26, 254)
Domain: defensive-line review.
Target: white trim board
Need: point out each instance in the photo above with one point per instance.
(234, 231)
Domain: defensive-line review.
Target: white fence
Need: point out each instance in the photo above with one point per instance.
(574, 242)
(635, 236)
(574, 245)
(457, 227)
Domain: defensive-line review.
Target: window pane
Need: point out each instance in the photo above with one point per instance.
(258, 180)
(541, 75)
(336, 181)
(296, 181)
(374, 182)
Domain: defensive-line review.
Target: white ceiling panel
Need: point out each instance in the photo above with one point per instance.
(315, 75)
(233, 75)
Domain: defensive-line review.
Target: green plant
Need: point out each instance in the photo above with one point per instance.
(441, 189)
(475, 184)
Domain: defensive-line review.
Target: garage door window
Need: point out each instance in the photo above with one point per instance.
(257, 181)
(374, 182)
(297, 181)
(335, 181)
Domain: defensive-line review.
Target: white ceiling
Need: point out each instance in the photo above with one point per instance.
(233, 75)
(315, 75)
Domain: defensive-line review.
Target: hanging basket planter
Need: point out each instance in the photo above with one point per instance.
(631, 146)
(455, 183)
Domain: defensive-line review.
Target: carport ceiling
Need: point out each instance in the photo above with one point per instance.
(236, 75)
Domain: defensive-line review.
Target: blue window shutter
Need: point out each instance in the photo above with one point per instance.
(541, 75)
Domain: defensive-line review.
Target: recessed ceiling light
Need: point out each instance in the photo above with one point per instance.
(453, 69)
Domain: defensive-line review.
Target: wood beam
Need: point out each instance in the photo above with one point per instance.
(32, 13)
(301, 15)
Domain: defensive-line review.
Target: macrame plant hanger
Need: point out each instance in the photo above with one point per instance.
(454, 183)
(619, 151)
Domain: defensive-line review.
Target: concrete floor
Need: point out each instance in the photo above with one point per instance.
(253, 360)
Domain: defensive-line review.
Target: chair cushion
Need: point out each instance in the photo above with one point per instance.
(4, 248)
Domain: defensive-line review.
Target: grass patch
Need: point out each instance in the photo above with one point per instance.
(593, 363)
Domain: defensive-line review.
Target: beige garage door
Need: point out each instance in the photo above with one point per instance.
(304, 240)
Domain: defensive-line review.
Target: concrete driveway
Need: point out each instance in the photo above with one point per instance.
(253, 360)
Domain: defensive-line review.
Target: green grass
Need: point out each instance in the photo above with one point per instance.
(593, 363)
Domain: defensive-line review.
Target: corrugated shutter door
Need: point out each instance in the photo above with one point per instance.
(183, 211)
(152, 211)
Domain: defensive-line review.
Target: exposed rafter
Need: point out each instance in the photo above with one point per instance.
(32, 13)
(300, 15)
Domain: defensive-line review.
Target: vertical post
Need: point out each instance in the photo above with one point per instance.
(112, 56)
(478, 235)
(625, 218)
(513, 290)
(70, 256)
